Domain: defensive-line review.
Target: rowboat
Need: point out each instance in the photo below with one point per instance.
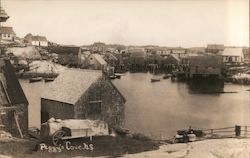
(35, 79)
(49, 79)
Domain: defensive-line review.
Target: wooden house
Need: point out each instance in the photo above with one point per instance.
(83, 94)
(204, 66)
(111, 59)
(233, 56)
(7, 33)
(13, 103)
(138, 58)
(96, 62)
(82, 59)
(39, 41)
(179, 52)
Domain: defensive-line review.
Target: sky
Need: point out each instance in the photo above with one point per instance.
(186, 23)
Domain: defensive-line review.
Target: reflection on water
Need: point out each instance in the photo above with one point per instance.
(212, 86)
(163, 107)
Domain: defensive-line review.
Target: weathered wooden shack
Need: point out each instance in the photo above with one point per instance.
(138, 59)
(13, 103)
(204, 66)
(83, 94)
(96, 62)
(82, 59)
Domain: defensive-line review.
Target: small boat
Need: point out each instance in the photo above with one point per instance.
(35, 79)
(112, 77)
(155, 79)
(118, 75)
(166, 76)
(49, 79)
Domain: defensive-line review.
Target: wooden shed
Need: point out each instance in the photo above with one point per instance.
(83, 94)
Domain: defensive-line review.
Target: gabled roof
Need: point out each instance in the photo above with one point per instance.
(7, 30)
(111, 56)
(3, 15)
(175, 57)
(10, 86)
(71, 84)
(99, 58)
(39, 38)
(232, 52)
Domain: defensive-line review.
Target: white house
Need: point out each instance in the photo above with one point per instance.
(7, 33)
(233, 55)
(39, 41)
(180, 52)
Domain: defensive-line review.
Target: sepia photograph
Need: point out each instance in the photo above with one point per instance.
(124, 78)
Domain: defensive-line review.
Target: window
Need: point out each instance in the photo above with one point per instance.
(95, 102)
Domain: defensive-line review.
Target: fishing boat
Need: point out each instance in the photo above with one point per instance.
(119, 75)
(166, 76)
(35, 79)
(49, 79)
(112, 77)
(155, 79)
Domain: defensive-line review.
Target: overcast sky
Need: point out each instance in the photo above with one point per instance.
(168, 23)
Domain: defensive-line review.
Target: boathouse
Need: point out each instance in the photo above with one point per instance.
(13, 103)
(204, 66)
(138, 58)
(83, 94)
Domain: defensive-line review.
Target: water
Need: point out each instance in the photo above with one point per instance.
(159, 109)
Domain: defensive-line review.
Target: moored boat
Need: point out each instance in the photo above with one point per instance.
(35, 79)
(49, 79)
(166, 76)
(112, 77)
(155, 79)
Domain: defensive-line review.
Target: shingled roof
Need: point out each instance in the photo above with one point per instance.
(7, 30)
(38, 38)
(71, 84)
(233, 52)
(205, 61)
(100, 59)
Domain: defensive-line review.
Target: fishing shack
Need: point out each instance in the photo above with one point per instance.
(204, 66)
(83, 94)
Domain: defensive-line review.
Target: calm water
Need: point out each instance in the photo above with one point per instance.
(163, 107)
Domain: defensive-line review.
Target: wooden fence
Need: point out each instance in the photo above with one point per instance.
(228, 132)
